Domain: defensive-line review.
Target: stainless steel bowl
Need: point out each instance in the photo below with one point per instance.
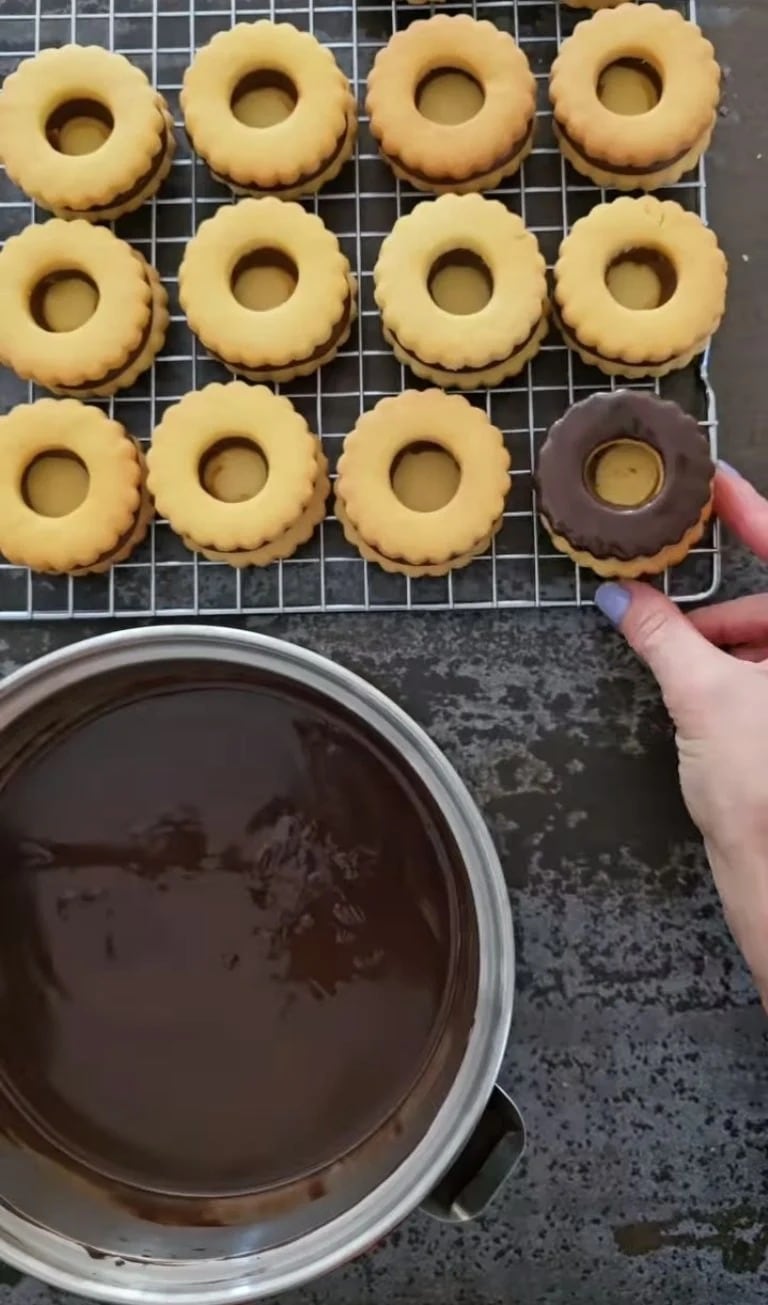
(56, 1230)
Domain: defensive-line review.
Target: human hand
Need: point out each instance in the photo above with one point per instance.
(712, 668)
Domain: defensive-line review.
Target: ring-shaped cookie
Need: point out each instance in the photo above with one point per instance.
(210, 417)
(637, 342)
(368, 500)
(291, 157)
(639, 150)
(110, 340)
(286, 544)
(462, 349)
(471, 155)
(109, 516)
(133, 158)
(293, 338)
(626, 538)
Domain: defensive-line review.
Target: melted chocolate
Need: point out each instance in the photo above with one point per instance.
(233, 930)
(573, 510)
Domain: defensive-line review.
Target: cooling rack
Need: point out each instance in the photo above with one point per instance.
(163, 579)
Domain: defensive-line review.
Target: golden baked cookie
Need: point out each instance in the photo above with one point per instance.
(639, 287)
(452, 103)
(72, 497)
(634, 95)
(82, 312)
(265, 286)
(625, 483)
(269, 110)
(238, 474)
(83, 132)
(461, 286)
(422, 482)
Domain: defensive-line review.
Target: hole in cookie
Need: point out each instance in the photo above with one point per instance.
(64, 300)
(629, 87)
(460, 282)
(424, 476)
(449, 96)
(79, 126)
(625, 473)
(264, 279)
(233, 469)
(55, 483)
(641, 279)
(264, 98)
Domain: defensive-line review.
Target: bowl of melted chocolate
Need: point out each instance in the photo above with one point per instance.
(256, 970)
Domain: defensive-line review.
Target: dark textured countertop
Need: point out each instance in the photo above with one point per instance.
(638, 1053)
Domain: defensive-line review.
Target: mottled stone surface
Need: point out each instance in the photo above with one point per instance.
(638, 1055)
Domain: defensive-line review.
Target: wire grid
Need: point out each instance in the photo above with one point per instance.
(162, 578)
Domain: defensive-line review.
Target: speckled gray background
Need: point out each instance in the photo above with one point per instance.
(638, 1053)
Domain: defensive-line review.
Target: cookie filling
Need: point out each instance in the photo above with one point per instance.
(304, 179)
(575, 342)
(624, 475)
(132, 357)
(498, 164)
(474, 371)
(316, 356)
(623, 169)
(126, 196)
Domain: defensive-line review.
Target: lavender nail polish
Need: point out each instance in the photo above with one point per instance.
(613, 600)
(727, 468)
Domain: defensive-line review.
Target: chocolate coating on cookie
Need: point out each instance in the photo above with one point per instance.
(589, 523)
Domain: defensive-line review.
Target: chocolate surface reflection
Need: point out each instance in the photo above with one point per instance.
(228, 926)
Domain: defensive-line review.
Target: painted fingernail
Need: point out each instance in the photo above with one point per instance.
(613, 601)
(727, 468)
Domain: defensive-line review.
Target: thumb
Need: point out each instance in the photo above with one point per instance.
(679, 657)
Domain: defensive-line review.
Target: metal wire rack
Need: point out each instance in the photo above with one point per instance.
(162, 578)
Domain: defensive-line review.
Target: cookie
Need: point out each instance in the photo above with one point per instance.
(452, 104)
(461, 286)
(422, 483)
(238, 474)
(72, 497)
(269, 110)
(83, 133)
(266, 288)
(83, 313)
(634, 96)
(639, 287)
(625, 483)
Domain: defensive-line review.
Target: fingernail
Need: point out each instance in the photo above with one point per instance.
(613, 601)
(727, 468)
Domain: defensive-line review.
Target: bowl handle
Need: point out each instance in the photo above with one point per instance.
(493, 1151)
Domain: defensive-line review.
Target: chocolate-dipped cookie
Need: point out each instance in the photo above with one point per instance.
(624, 481)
